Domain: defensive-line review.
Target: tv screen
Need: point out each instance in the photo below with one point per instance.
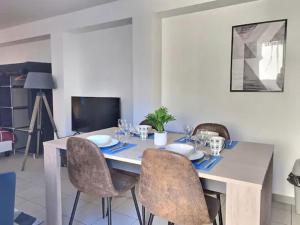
(94, 113)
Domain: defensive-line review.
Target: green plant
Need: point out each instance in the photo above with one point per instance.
(160, 118)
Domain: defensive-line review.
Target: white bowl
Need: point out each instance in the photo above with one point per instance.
(183, 149)
(100, 140)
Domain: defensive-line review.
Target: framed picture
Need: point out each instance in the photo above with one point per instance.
(258, 57)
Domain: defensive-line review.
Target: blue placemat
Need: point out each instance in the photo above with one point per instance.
(181, 140)
(201, 166)
(150, 136)
(230, 144)
(111, 151)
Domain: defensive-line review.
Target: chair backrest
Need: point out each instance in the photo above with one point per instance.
(221, 129)
(7, 197)
(145, 122)
(87, 168)
(170, 188)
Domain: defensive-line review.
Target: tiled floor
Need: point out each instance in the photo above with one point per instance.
(30, 195)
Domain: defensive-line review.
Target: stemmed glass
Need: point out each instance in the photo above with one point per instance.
(125, 128)
(121, 124)
(188, 130)
(201, 137)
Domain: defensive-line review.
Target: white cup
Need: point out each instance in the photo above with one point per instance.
(216, 144)
(143, 131)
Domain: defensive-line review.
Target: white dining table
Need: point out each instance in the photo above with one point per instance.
(246, 171)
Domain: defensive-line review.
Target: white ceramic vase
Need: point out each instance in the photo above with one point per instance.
(160, 139)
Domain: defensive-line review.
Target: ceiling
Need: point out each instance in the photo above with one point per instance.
(16, 12)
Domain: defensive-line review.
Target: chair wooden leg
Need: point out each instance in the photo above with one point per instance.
(220, 210)
(136, 205)
(103, 207)
(109, 210)
(150, 219)
(74, 207)
(144, 215)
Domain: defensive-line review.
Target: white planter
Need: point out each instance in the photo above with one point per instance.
(160, 139)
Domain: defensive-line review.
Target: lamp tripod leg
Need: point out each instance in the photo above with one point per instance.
(31, 129)
(38, 128)
(50, 115)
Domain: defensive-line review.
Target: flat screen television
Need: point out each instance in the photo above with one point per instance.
(94, 113)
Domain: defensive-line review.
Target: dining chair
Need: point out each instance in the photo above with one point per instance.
(170, 188)
(89, 174)
(219, 128)
(145, 122)
(223, 132)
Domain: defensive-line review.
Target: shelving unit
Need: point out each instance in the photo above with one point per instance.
(14, 106)
(16, 103)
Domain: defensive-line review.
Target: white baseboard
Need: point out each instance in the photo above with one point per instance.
(283, 199)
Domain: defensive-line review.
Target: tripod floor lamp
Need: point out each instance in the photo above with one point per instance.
(40, 81)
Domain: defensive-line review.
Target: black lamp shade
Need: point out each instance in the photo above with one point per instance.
(37, 80)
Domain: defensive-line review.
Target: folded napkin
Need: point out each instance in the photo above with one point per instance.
(116, 148)
(202, 166)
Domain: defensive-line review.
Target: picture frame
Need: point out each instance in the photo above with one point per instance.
(258, 54)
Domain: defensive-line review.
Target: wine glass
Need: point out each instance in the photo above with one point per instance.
(188, 130)
(121, 124)
(202, 137)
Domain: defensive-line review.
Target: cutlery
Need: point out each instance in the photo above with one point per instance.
(206, 157)
(210, 164)
(117, 148)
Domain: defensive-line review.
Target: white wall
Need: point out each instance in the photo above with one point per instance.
(37, 51)
(196, 79)
(99, 64)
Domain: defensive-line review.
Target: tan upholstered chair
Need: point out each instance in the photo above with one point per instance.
(89, 173)
(223, 132)
(170, 188)
(219, 128)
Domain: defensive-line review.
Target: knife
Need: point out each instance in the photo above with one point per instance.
(210, 164)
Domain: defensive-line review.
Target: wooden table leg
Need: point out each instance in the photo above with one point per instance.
(247, 204)
(53, 185)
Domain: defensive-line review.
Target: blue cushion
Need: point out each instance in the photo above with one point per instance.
(7, 197)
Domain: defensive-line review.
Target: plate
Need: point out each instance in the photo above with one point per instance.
(183, 149)
(196, 155)
(103, 141)
(186, 150)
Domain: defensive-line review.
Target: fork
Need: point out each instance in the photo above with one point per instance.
(206, 157)
(117, 148)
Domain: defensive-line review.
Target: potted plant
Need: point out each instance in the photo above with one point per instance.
(158, 119)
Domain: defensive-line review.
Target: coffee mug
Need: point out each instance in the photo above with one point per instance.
(143, 131)
(216, 144)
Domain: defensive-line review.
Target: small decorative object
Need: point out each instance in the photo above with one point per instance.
(258, 57)
(159, 119)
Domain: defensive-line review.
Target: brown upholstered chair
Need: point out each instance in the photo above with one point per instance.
(145, 122)
(170, 188)
(219, 128)
(89, 173)
(223, 132)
